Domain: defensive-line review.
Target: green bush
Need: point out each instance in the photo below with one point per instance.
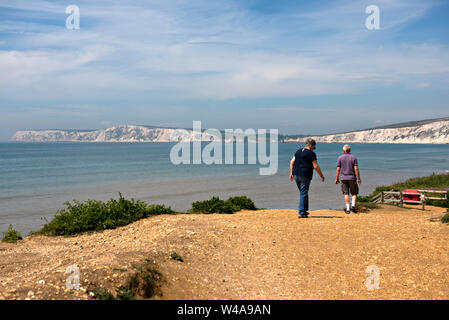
(94, 215)
(364, 199)
(242, 203)
(11, 236)
(438, 203)
(155, 209)
(215, 205)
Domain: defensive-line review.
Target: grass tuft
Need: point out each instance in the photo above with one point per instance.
(11, 236)
(124, 293)
(445, 218)
(176, 257)
(365, 207)
(143, 282)
(103, 294)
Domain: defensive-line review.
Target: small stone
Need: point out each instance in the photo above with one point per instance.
(41, 281)
(30, 293)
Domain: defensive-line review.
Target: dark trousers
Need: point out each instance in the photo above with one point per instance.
(303, 184)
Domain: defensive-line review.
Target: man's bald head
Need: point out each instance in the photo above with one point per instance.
(347, 148)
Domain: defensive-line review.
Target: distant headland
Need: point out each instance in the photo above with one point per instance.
(432, 131)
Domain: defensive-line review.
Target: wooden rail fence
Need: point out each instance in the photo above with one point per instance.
(397, 197)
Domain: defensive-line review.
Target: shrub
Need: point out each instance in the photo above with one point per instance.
(93, 215)
(445, 218)
(155, 209)
(103, 294)
(215, 205)
(123, 293)
(11, 236)
(364, 198)
(143, 282)
(438, 203)
(242, 203)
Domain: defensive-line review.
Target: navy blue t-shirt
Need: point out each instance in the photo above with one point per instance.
(303, 163)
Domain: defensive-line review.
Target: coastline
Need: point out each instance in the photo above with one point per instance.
(39, 178)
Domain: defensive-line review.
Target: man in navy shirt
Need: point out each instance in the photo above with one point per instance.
(349, 175)
(301, 169)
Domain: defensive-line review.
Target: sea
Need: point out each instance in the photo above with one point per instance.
(36, 179)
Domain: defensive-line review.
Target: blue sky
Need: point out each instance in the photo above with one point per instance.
(307, 67)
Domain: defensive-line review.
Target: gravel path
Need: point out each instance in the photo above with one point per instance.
(264, 254)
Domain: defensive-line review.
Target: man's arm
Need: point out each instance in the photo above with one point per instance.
(317, 168)
(337, 175)
(357, 173)
(292, 163)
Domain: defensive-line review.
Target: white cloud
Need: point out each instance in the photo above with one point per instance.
(210, 50)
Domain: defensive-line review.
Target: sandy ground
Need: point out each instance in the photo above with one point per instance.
(264, 254)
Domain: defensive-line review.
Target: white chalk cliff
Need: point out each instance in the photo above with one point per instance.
(426, 132)
(122, 133)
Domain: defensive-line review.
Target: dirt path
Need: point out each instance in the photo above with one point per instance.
(265, 254)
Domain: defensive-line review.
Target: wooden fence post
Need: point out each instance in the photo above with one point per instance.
(402, 200)
(382, 197)
(423, 200)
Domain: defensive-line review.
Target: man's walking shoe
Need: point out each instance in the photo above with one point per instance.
(347, 211)
(302, 216)
(354, 209)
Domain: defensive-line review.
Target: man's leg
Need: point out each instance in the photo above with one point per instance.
(354, 200)
(354, 193)
(303, 186)
(347, 201)
(300, 202)
(304, 195)
(345, 191)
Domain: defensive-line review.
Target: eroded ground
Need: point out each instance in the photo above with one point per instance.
(264, 254)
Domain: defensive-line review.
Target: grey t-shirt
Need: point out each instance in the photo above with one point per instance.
(347, 162)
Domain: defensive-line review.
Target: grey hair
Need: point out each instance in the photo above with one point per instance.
(310, 142)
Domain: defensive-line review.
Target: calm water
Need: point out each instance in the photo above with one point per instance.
(36, 178)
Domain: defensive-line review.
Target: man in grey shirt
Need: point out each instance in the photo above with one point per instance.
(349, 175)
